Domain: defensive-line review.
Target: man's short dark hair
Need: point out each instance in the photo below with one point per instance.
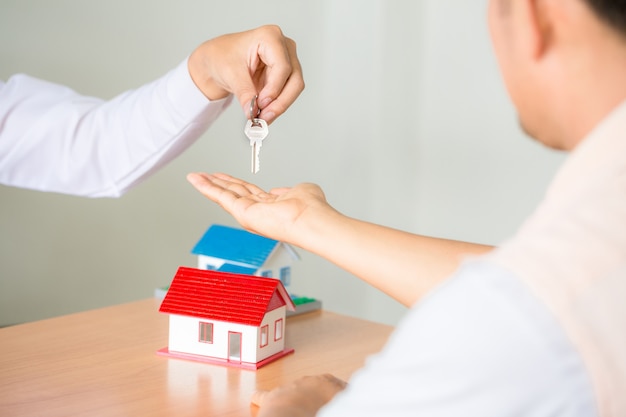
(612, 12)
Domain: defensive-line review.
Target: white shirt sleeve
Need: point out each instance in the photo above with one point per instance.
(53, 139)
(479, 345)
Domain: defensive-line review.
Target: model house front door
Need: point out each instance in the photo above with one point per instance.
(234, 347)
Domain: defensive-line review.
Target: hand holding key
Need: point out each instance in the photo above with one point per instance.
(256, 130)
(261, 61)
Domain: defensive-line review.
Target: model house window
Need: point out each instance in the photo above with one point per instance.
(210, 267)
(285, 275)
(264, 333)
(206, 332)
(278, 329)
(267, 273)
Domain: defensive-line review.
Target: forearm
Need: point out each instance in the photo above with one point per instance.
(403, 265)
(57, 140)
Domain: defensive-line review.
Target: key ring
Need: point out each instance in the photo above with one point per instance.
(252, 106)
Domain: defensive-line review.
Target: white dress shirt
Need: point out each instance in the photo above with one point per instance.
(535, 328)
(53, 139)
(480, 345)
(571, 254)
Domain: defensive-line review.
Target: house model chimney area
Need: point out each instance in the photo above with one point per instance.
(231, 309)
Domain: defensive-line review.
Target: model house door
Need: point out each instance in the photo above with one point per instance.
(234, 347)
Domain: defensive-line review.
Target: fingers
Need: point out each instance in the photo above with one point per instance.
(336, 383)
(307, 393)
(275, 70)
(278, 191)
(283, 84)
(235, 185)
(259, 62)
(226, 190)
(212, 190)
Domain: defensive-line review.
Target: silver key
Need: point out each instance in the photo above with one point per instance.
(256, 130)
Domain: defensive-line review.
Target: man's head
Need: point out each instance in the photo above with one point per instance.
(563, 62)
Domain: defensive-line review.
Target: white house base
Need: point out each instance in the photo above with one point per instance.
(219, 361)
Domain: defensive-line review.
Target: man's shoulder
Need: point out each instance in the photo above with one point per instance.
(482, 344)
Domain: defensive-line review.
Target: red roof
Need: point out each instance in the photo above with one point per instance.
(222, 296)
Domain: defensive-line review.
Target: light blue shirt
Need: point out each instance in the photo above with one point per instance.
(479, 345)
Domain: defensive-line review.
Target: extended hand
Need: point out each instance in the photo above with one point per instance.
(280, 214)
(301, 398)
(259, 62)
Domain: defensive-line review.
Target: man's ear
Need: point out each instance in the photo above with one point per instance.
(535, 27)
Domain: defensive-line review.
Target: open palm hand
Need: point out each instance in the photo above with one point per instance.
(277, 214)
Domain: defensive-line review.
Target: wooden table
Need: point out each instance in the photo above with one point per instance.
(103, 363)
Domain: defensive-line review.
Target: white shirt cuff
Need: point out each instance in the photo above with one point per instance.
(187, 98)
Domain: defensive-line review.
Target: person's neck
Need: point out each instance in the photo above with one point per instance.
(595, 85)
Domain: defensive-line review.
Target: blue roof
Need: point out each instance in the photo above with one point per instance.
(236, 269)
(235, 245)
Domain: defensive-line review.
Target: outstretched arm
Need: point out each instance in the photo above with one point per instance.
(403, 265)
(54, 139)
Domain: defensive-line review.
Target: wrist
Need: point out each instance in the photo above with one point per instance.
(199, 65)
(316, 228)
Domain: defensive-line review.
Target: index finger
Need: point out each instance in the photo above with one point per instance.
(283, 83)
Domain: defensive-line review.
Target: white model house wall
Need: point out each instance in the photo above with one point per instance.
(184, 337)
(209, 262)
(281, 257)
(274, 345)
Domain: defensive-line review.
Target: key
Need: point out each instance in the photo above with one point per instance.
(256, 130)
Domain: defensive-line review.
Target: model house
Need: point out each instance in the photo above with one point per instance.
(226, 318)
(229, 249)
